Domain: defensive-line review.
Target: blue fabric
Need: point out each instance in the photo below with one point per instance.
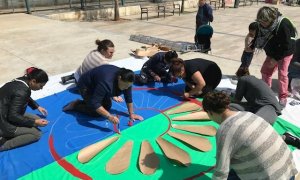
(74, 131)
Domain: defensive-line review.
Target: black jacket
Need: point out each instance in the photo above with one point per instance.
(14, 98)
(282, 43)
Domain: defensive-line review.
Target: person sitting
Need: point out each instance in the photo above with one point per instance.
(199, 75)
(156, 69)
(260, 98)
(18, 128)
(98, 86)
(247, 146)
(95, 58)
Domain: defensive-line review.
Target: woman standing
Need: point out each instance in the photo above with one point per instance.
(276, 35)
(16, 127)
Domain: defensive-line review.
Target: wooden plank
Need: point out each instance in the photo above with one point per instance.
(205, 130)
(197, 142)
(89, 152)
(192, 116)
(173, 152)
(148, 160)
(121, 160)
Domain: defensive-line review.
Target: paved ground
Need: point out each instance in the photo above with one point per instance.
(59, 46)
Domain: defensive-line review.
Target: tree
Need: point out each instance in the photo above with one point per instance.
(117, 14)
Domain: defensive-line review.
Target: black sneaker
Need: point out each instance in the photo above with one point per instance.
(291, 140)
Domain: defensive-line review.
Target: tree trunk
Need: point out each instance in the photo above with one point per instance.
(182, 6)
(117, 14)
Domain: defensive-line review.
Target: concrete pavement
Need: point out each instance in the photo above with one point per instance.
(60, 46)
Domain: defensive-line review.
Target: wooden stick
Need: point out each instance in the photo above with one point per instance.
(205, 130)
(121, 160)
(192, 116)
(197, 142)
(148, 160)
(173, 152)
(185, 108)
(89, 152)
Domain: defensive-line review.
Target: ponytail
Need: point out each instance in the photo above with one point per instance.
(35, 73)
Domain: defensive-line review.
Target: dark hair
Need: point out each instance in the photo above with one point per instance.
(215, 102)
(104, 45)
(176, 65)
(253, 26)
(35, 73)
(127, 75)
(170, 55)
(242, 71)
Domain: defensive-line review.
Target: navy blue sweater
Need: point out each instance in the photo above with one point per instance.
(102, 82)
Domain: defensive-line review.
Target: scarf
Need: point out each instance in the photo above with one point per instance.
(265, 34)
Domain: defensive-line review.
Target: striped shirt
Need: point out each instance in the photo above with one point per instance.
(253, 149)
(92, 60)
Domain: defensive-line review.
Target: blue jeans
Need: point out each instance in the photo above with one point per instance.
(246, 59)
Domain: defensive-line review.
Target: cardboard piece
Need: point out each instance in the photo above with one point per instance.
(173, 152)
(121, 160)
(205, 130)
(192, 116)
(147, 52)
(197, 142)
(148, 160)
(188, 106)
(89, 152)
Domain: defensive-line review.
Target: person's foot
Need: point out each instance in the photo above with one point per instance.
(291, 139)
(70, 106)
(283, 102)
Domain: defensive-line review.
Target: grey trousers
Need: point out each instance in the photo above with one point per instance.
(266, 112)
(22, 136)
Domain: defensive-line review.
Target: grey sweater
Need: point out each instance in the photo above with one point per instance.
(253, 149)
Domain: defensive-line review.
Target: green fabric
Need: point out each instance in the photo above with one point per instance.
(147, 130)
(281, 126)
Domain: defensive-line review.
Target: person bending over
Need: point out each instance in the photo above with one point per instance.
(199, 75)
(157, 69)
(98, 86)
(247, 146)
(101, 55)
(18, 128)
(260, 98)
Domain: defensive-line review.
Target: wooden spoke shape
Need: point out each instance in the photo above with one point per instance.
(173, 152)
(121, 160)
(148, 160)
(89, 152)
(205, 130)
(192, 116)
(185, 108)
(197, 142)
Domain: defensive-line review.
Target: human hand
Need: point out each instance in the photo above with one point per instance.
(41, 122)
(136, 117)
(43, 111)
(113, 119)
(186, 95)
(157, 78)
(118, 99)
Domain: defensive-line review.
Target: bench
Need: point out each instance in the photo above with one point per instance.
(168, 7)
(147, 9)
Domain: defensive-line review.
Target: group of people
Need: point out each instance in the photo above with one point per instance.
(247, 145)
